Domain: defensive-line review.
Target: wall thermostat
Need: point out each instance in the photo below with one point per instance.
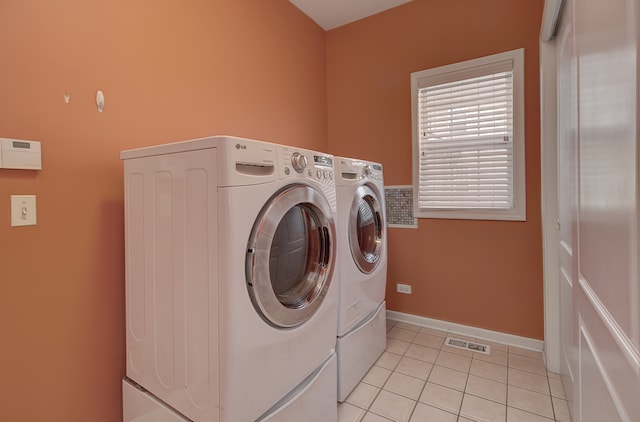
(20, 154)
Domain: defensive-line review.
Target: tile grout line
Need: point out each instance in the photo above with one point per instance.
(423, 387)
(553, 408)
(506, 397)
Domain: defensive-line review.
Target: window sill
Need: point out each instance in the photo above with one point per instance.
(495, 215)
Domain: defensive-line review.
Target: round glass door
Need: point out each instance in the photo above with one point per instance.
(290, 256)
(366, 229)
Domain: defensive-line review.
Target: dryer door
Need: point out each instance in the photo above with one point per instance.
(366, 229)
(291, 255)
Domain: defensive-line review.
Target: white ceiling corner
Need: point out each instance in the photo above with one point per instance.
(330, 14)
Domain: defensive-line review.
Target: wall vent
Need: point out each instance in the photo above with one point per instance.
(468, 345)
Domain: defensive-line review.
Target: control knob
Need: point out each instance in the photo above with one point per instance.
(299, 162)
(366, 170)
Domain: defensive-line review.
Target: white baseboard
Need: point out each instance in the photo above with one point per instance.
(465, 330)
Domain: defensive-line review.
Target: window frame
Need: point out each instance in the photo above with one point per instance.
(461, 71)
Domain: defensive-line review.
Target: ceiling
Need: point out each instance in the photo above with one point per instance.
(331, 14)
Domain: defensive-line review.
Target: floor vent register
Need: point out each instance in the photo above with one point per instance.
(468, 345)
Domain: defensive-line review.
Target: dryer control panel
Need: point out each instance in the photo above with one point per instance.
(354, 170)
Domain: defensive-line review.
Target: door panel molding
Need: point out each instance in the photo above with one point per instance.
(587, 345)
(624, 343)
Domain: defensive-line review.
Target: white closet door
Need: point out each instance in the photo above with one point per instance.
(598, 157)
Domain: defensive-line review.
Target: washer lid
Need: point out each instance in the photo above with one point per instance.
(290, 256)
(366, 229)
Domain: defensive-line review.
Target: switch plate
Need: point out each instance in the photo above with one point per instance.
(23, 210)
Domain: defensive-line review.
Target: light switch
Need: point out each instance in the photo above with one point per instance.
(23, 210)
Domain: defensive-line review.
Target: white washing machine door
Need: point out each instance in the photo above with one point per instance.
(366, 229)
(291, 256)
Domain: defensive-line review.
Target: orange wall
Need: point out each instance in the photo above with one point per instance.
(170, 70)
(478, 273)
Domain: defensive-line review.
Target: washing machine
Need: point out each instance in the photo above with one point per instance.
(362, 266)
(231, 304)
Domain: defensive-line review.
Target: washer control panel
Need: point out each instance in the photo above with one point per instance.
(308, 164)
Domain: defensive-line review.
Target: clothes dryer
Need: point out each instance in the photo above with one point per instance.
(362, 266)
(231, 307)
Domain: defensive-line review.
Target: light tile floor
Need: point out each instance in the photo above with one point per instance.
(420, 379)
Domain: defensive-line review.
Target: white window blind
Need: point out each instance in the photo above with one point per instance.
(465, 138)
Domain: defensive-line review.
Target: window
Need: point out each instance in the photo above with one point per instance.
(468, 139)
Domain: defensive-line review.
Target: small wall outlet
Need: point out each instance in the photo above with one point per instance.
(403, 288)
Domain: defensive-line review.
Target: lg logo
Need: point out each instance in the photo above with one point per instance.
(240, 146)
